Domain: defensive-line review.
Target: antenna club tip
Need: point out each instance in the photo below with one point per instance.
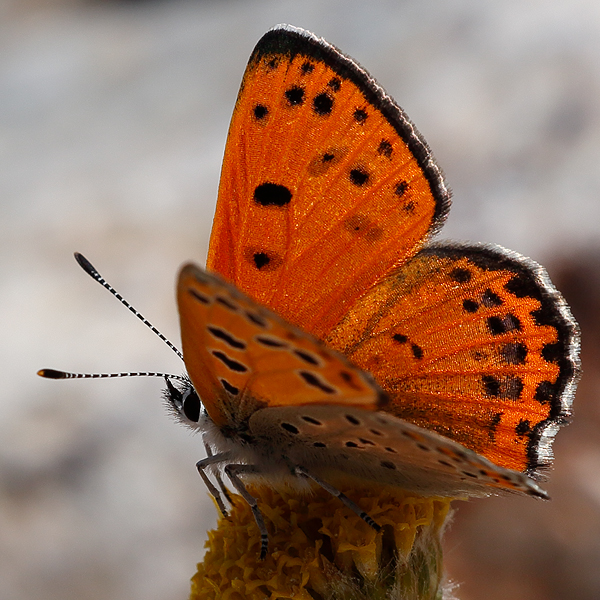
(51, 374)
(84, 263)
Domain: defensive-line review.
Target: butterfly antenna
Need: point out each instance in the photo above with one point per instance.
(54, 374)
(87, 266)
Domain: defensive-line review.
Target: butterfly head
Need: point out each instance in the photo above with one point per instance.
(183, 400)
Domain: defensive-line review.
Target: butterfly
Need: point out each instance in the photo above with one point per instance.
(330, 342)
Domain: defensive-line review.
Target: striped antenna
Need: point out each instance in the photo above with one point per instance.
(54, 374)
(87, 266)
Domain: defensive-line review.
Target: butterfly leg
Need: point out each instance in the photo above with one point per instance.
(212, 459)
(233, 472)
(218, 477)
(302, 472)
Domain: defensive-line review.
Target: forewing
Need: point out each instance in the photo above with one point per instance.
(241, 356)
(326, 184)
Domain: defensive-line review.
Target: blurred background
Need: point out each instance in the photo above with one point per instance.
(113, 120)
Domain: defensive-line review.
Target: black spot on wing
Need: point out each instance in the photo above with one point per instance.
(468, 474)
(294, 96)
(256, 319)
(491, 385)
(360, 115)
(314, 381)
(199, 296)
(400, 188)
(261, 259)
(493, 425)
(349, 379)
(229, 387)
(311, 420)
(335, 84)
(417, 351)
(270, 342)
(460, 275)
(226, 337)
(385, 149)
(290, 428)
(260, 111)
(490, 299)
(306, 357)
(514, 353)
(272, 194)
(228, 304)
(470, 306)
(359, 176)
(323, 104)
(499, 325)
(230, 363)
(508, 387)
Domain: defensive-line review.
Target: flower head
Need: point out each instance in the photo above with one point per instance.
(318, 548)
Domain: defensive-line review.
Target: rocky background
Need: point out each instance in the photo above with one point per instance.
(113, 119)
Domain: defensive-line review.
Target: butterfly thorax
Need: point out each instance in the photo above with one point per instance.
(232, 421)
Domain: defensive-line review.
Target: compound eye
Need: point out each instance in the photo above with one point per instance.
(191, 406)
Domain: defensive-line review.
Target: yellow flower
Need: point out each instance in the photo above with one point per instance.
(318, 548)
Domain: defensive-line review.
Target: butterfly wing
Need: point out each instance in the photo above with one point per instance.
(474, 343)
(242, 357)
(327, 194)
(326, 185)
(343, 445)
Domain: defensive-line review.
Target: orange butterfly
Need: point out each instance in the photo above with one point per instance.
(336, 344)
